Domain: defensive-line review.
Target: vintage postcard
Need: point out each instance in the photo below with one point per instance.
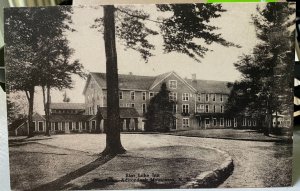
(150, 96)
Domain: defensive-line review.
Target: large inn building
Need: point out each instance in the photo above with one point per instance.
(200, 104)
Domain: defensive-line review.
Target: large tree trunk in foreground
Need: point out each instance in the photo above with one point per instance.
(113, 139)
(30, 97)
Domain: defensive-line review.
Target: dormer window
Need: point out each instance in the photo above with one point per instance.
(173, 84)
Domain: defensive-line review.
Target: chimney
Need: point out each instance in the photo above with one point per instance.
(130, 73)
(194, 77)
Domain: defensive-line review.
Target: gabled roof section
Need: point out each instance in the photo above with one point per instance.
(86, 83)
(38, 117)
(125, 112)
(126, 81)
(210, 86)
(77, 106)
(162, 77)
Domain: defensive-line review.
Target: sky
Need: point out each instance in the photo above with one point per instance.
(235, 26)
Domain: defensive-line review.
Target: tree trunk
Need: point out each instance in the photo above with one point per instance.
(30, 98)
(47, 113)
(113, 139)
(268, 122)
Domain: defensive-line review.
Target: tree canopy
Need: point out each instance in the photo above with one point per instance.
(267, 75)
(159, 114)
(37, 50)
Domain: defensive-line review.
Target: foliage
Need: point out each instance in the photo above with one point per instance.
(159, 114)
(16, 108)
(188, 25)
(37, 50)
(183, 32)
(267, 75)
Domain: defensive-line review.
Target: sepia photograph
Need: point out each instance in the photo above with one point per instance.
(153, 96)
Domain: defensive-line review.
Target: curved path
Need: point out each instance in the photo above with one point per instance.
(257, 164)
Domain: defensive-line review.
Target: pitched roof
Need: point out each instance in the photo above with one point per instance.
(67, 106)
(133, 82)
(160, 78)
(38, 117)
(125, 112)
(210, 86)
(70, 118)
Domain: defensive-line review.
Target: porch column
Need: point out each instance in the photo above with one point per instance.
(124, 124)
(136, 123)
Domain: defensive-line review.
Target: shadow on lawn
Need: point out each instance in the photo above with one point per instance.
(61, 183)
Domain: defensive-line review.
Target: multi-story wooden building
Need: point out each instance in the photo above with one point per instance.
(198, 103)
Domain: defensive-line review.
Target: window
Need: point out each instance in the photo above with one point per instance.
(199, 108)
(144, 108)
(228, 122)
(254, 122)
(83, 125)
(174, 108)
(172, 96)
(120, 95)
(185, 108)
(214, 107)
(93, 124)
(41, 126)
(249, 122)
(214, 121)
(185, 122)
(213, 97)
(206, 108)
(56, 126)
(221, 121)
(144, 95)
(234, 122)
(172, 84)
(77, 125)
(132, 105)
(221, 98)
(63, 124)
(206, 97)
(132, 95)
(244, 122)
(70, 125)
(199, 97)
(185, 97)
(34, 125)
(222, 109)
(207, 122)
(151, 95)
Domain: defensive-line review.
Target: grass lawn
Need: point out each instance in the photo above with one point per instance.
(68, 162)
(226, 134)
(35, 164)
(160, 167)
